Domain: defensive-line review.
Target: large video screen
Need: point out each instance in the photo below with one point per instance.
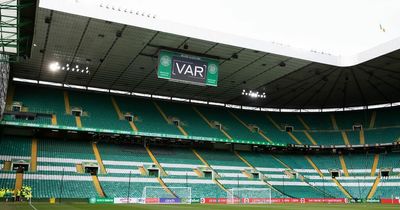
(186, 68)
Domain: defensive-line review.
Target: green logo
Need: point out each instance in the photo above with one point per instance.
(212, 68)
(165, 60)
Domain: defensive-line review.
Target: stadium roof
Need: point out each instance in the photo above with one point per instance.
(123, 57)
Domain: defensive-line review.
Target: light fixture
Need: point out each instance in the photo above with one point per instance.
(253, 94)
(54, 66)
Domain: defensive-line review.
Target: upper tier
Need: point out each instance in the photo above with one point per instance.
(105, 113)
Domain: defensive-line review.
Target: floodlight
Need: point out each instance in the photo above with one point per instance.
(54, 66)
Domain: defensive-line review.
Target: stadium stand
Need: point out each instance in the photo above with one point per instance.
(97, 105)
(244, 126)
(50, 102)
(287, 175)
(123, 167)
(119, 102)
(317, 121)
(191, 121)
(148, 117)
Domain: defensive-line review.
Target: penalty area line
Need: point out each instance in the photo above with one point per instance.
(30, 204)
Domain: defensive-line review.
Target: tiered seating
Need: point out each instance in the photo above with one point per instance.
(318, 121)
(327, 186)
(190, 120)
(201, 188)
(388, 188)
(7, 180)
(177, 162)
(15, 147)
(359, 164)
(389, 160)
(175, 156)
(221, 158)
(346, 120)
(326, 163)
(231, 125)
(121, 162)
(122, 159)
(119, 186)
(57, 155)
(384, 135)
(357, 186)
(67, 149)
(287, 119)
(54, 184)
(38, 120)
(276, 176)
(44, 100)
(57, 160)
(260, 120)
(297, 162)
(123, 152)
(317, 186)
(150, 120)
(385, 117)
(98, 111)
(328, 138)
(354, 137)
(302, 137)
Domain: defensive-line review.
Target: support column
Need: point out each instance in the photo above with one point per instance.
(373, 119)
(334, 123)
(362, 136)
(66, 103)
(314, 165)
(343, 164)
(340, 186)
(374, 187)
(97, 186)
(294, 138)
(4, 76)
(155, 161)
(165, 187)
(98, 158)
(303, 122)
(375, 165)
(19, 179)
(34, 155)
(345, 138)
(312, 140)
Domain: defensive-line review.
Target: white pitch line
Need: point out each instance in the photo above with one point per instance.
(32, 206)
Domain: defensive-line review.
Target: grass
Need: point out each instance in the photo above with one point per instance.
(85, 206)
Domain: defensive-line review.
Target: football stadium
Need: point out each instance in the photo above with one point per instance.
(146, 104)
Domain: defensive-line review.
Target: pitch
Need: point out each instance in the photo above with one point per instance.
(84, 206)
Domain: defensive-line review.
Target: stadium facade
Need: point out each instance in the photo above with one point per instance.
(114, 112)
